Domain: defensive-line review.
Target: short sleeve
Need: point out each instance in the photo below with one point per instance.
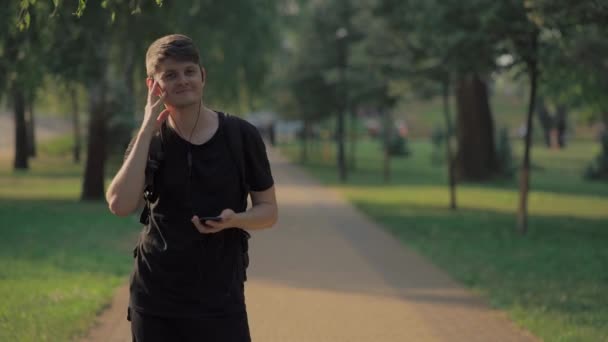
(257, 169)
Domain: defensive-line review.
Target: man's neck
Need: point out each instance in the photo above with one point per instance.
(185, 118)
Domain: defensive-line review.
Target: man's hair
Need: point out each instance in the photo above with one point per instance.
(175, 46)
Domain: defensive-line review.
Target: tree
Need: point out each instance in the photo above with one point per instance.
(419, 60)
(530, 28)
(373, 69)
(23, 66)
(99, 52)
(319, 80)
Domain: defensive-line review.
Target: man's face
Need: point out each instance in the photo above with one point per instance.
(182, 81)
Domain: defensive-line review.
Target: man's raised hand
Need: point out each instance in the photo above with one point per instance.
(153, 116)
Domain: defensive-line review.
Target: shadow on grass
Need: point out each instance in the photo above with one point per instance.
(68, 235)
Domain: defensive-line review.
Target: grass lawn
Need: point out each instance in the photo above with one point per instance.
(553, 282)
(60, 259)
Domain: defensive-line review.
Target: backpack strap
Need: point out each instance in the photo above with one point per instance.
(155, 159)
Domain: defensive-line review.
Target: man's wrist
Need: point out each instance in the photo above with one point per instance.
(145, 132)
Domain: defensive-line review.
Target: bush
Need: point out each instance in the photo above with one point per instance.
(504, 154)
(60, 146)
(397, 146)
(438, 137)
(598, 168)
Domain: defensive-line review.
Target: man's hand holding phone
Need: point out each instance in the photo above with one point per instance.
(209, 225)
(153, 115)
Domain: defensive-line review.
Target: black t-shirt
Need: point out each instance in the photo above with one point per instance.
(177, 270)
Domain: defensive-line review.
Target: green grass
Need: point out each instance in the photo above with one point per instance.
(508, 111)
(60, 259)
(553, 281)
(423, 115)
(59, 146)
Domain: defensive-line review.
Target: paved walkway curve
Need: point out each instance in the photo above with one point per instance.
(328, 273)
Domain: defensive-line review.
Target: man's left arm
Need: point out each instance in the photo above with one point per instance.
(263, 214)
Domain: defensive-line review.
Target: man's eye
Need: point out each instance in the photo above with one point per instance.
(169, 76)
(189, 72)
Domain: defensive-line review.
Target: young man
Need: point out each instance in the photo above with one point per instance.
(190, 260)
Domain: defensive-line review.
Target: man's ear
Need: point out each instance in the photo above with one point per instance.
(203, 75)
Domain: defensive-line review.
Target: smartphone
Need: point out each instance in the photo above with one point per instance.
(210, 218)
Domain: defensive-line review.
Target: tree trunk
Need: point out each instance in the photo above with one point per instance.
(31, 128)
(21, 144)
(387, 165)
(353, 140)
(342, 61)
(476, 158)
(387, 131)
(448, 144)
(75, 124)
(341, 156)
(524, 185)
(304, 142)
(93, 185)
(561, 115)
(545, 120)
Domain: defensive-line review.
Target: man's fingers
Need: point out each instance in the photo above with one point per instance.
(151, 90)
(211, 230)
(157, 102)
(200, 226)
(208, 227)
(197, 224)
(163, 116)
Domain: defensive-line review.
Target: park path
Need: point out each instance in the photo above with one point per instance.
(328, 273)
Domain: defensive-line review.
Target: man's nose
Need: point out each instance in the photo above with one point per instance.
(181, 78)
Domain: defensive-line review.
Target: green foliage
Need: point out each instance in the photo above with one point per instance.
(438, 141)
(397, 146)
(573, 68)
(330, 62)
(504, 154)
(236, 46)
(20, 67)
(61, 146)
(598, 168)
(311, 75)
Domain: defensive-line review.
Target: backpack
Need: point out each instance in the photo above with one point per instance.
(233, 134)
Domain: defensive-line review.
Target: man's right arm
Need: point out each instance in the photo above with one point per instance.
(125, 193)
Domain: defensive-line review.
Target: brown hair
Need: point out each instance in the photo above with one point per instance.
(176, 46)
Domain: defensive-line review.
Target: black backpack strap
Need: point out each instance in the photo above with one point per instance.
(155, 158)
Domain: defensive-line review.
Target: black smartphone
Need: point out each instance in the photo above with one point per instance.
(210, 218)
